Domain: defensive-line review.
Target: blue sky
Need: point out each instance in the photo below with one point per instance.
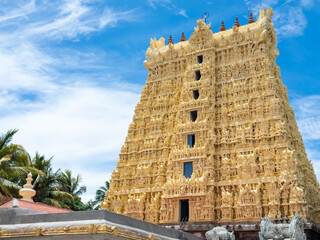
(71, 71)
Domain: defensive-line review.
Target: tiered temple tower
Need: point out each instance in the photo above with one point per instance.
(213, 137)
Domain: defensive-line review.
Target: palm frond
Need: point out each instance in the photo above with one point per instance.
(7, 186)
(6, 138)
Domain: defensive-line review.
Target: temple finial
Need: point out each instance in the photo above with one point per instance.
(222, 27)
(170, 39)
(251, 19)
(236, 22)
(27, 191)
(183, 38)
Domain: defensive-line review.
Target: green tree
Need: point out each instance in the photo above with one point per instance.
(54, 188)
(12, 164)
(47, 185)
(71, 185)
(100, 194)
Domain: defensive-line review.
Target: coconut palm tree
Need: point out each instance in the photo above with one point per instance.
(47, 185)
(71, 185)
(12, 164)
(100, 193)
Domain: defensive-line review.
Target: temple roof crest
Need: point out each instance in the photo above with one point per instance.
(201, 25)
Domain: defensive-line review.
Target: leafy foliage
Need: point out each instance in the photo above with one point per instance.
(11, 164)
(16, 163)
(100, 193)
(56, 188)
(48, 185)
(71, 185)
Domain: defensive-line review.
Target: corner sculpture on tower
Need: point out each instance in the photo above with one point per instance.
(213, 137)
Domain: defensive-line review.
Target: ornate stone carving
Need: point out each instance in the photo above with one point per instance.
(292, 231)
(84, 229)
(220, 233)
(248, 158)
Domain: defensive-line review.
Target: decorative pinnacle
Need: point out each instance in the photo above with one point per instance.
(205, 15)
(29, 180)
(222, 27)
(170, 39)
(281, 219)
(27, 192)
(251, 19)
(183, 38)
(236, 22)
(287, 219)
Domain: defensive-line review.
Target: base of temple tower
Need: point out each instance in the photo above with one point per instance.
(242, 230)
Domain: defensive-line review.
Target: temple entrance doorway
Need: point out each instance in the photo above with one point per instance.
(184, 210)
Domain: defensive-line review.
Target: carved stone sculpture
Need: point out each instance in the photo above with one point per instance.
(217, 103)
(285, 231)
(296, 229)
(220, 233)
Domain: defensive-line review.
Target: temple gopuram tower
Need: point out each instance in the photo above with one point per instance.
(213, 137)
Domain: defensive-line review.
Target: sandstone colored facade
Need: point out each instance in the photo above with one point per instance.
(213, 137)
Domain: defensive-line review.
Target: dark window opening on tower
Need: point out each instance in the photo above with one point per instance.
(193, 116)
(187, 169)
(200, 59)
(184, 210)
(196, 94)
(191, 140)
(197, 75)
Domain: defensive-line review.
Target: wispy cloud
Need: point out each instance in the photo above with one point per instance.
(111, 17)
(82, 127)
(169, 5)
(68, 22)
(307, 111)
(154, 3)
(289, 18)
(53, 94)
(313, 155)
(74, 123)
(307, 3)
(18, 12)
(62, 19)
(290, 22)
(28, 62)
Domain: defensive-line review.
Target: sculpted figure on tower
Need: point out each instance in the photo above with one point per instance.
(213, 136)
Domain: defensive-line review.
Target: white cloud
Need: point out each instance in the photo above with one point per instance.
(182, 12)
(61, 19)
(169, 5)
(111, 17)
(255, 5)
(307, 3)
(307, 114)
(75, 123)
(154, 3)
(24, 66)
(289, 18)
(307, 111)
(291, 22)
(83, 128)
(60, 112)
(19, 12)
(313, 155)
(93, 180)
(68, 22)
